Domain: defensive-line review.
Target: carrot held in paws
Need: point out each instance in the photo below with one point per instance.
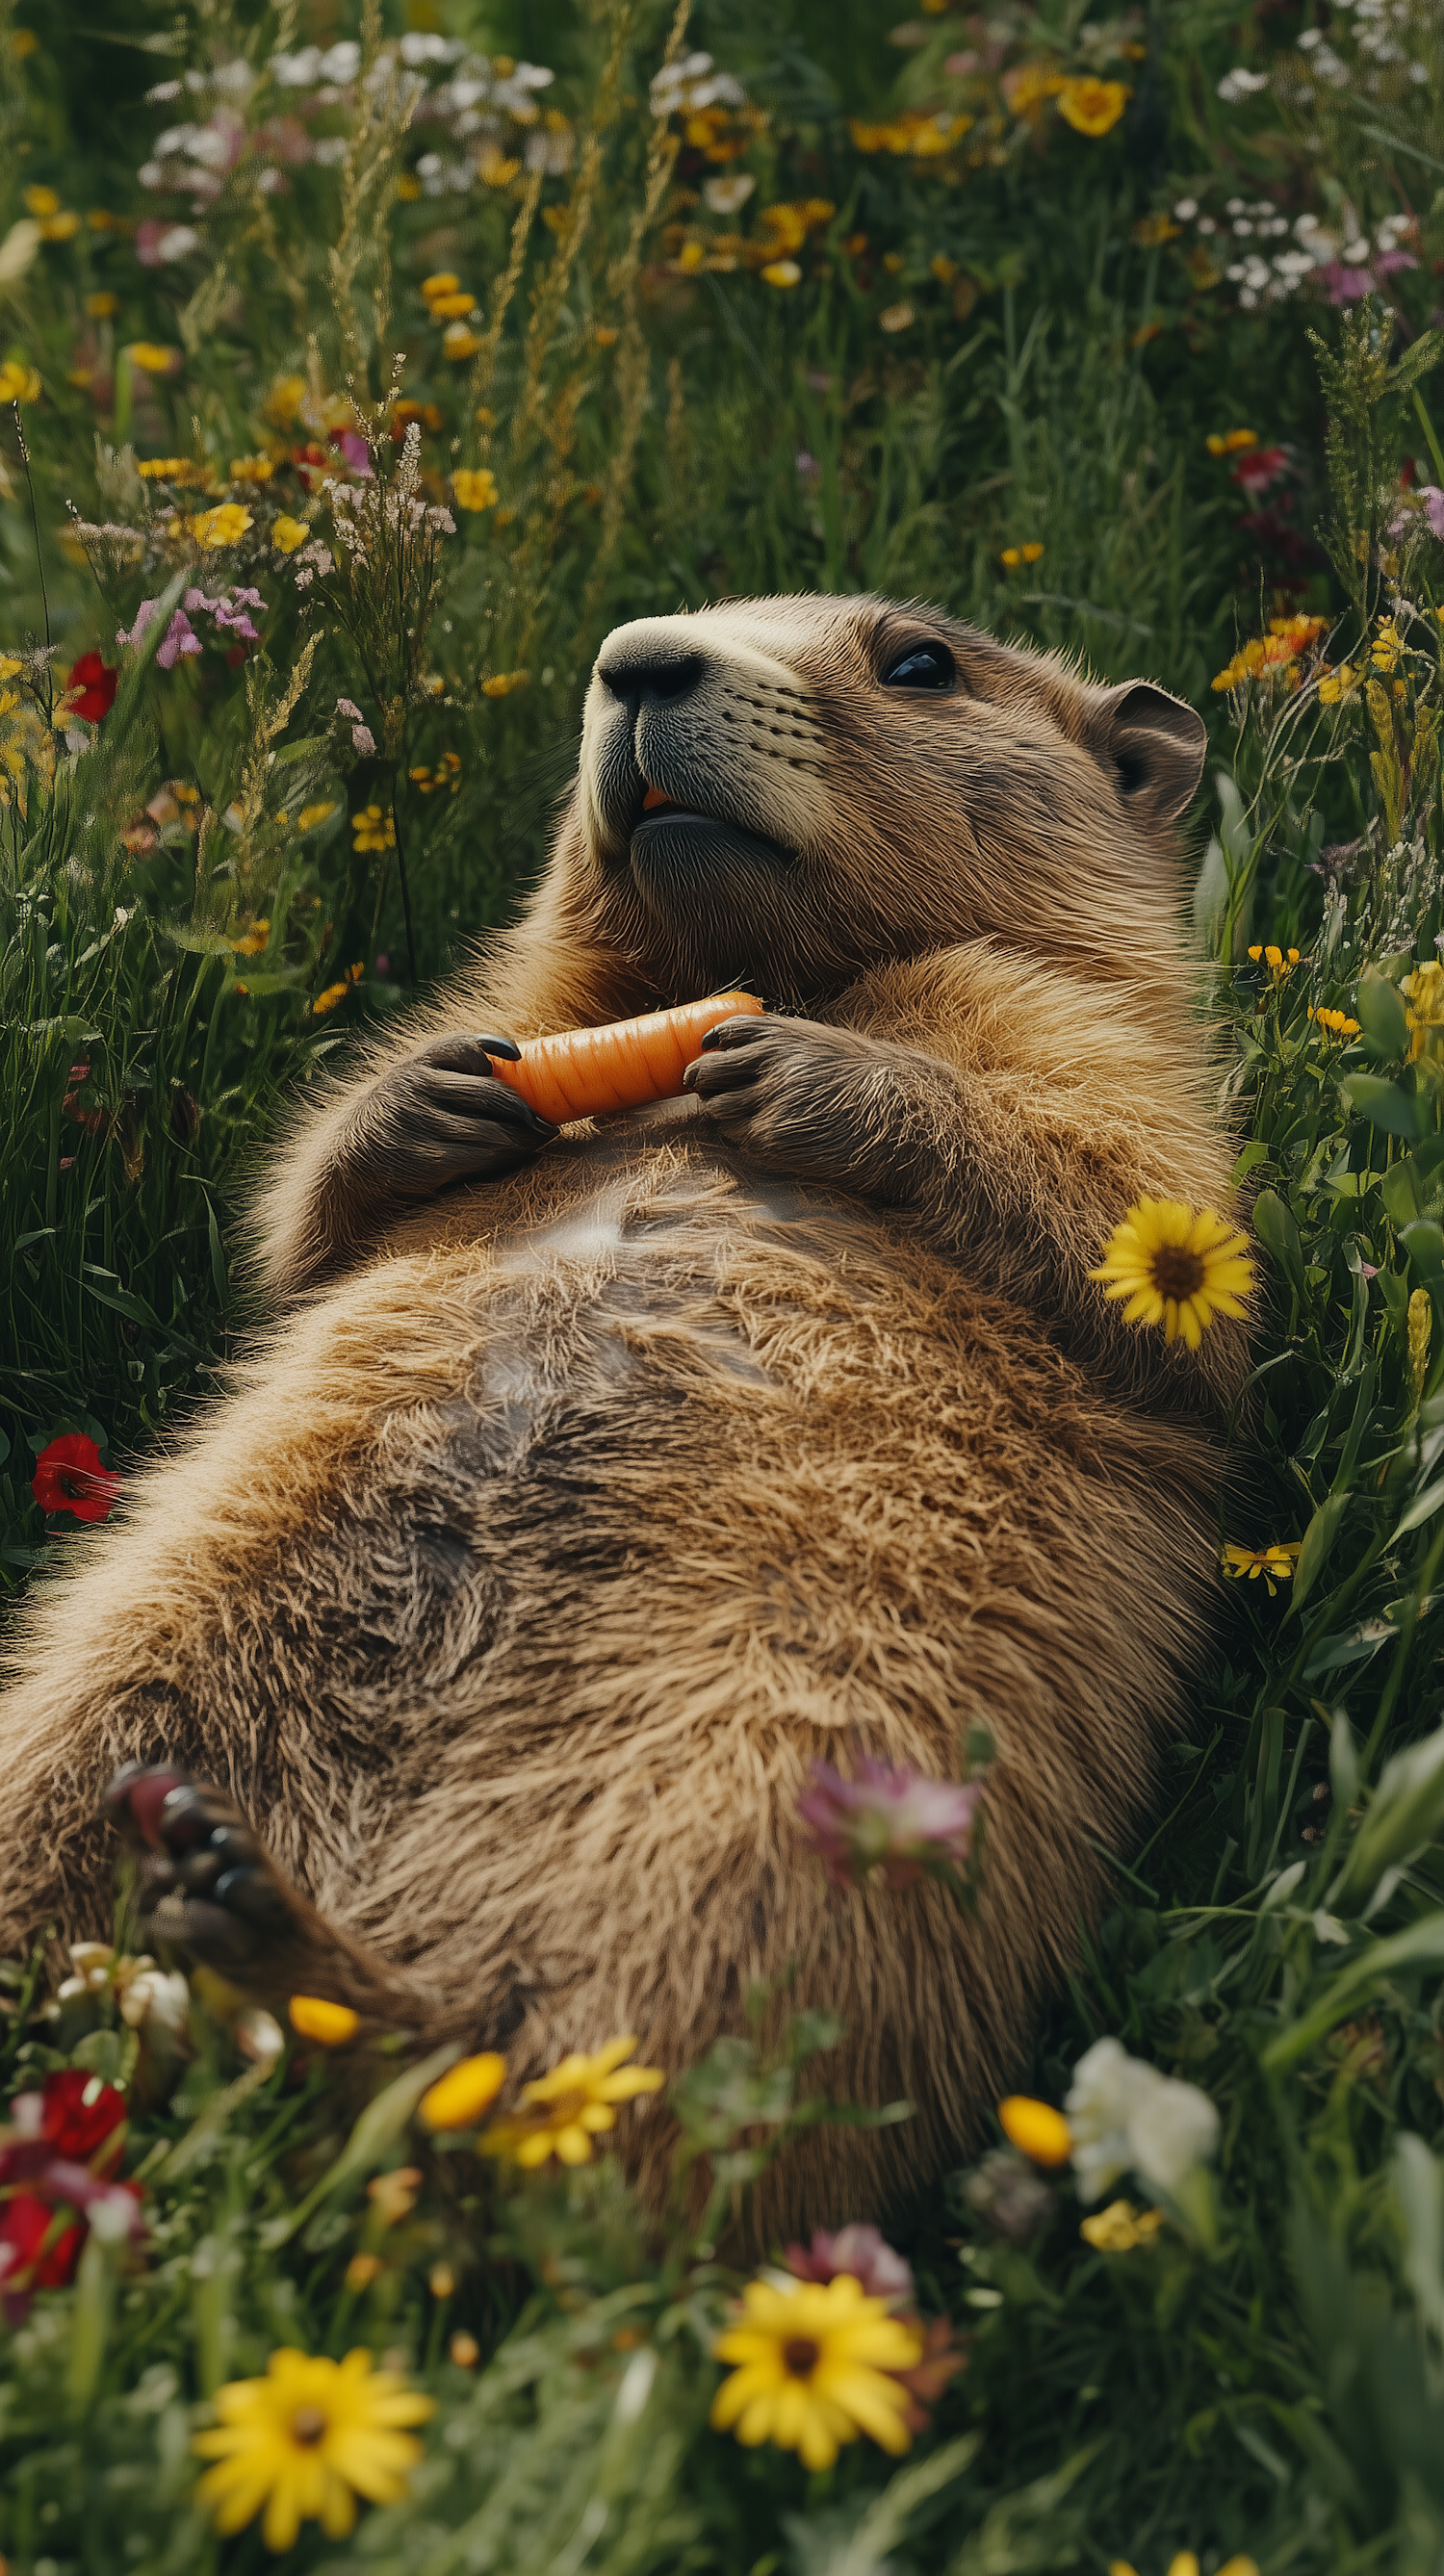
(581, 1072)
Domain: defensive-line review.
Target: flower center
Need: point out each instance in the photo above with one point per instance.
(800, 2356)
(1177, 1272)
(308, 2425)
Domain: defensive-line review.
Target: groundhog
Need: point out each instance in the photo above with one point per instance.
(592, 1485)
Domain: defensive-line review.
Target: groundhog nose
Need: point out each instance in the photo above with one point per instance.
(651, 670)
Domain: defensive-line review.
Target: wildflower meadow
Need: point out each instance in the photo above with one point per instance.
(360, 367)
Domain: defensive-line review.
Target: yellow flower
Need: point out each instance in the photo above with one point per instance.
(1184, 2563)
(1280, 964)
(18, 383)
(562, 2112)
(1120, 2227)
(252, 469)
(443, 283)
(502, 683)
(311, 815)
(1093, 106)
(362, 2270)
(473, 489)
(459, 2097)
(285, 399)
(782, 272)
(256, 939)
(1036, 2129)
(1421, 1320)
(151, 358)
(172, 469)
(1013, 556)
(1334, 685)
(813, 2365)
(1335, 1024)
(59, 228)
(305, 2441)
(102, 307)
(225, 525)
(1028, 86)
(459, 343)
(1230, 441)
(312, 2017)
(464, 2350)
(1177, 1266)
(1276, 1564)
(287, 534)
(8, 666)
(452, 308)
(1387, 646)
(1425, 1014)
(41, 203)
(372, 830)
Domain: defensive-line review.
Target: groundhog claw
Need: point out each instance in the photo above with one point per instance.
(205, 1881)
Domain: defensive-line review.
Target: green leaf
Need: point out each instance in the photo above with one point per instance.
(1383, 1017)
(1422, 1945)
(376, 2132)
(1423, 1508)
(1279, 1235)
(1424, 1243)
(1399, 1113)
(134, 1308)
(1426, 352)
(1318, 1542)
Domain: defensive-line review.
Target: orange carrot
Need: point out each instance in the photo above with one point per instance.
(582, 1072)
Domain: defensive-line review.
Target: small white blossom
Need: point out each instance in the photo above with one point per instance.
(1125, 2116)
(1241, 84)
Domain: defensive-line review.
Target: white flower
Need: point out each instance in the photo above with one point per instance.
(1125, 2116)
(1186, 209)
(1241, 84)
(724, 196)
(342, 62)
(156, 1997)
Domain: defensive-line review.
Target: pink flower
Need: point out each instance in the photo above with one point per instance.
(355, 450)
(909, 1826)
(864, 2253)
(1433, 500)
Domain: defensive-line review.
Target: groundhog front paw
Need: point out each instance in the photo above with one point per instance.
(205, 1882)
(442, 1116)
(819, 1102)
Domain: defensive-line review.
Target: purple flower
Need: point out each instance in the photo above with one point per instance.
(180, 637)
(348, 707)
(807, 466)
(247, 599)
(196, 599)
(909, 1826)
(1344, 284)
(863, 2252)
(383, 962)
(1387, 261)
(1433, 500)
(355, 450)
(363, 741)
(236, 620)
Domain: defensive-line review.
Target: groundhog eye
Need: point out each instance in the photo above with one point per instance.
(925, 666)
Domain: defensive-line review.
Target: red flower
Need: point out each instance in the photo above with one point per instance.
(97, 684)
(1259, 471)
(80, 2113)
(70, 1478)
(24, 2225)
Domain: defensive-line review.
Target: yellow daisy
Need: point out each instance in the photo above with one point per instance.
(305, 2441)
(1177, 1266)
(1120, 2227)
(1276, 1564)
(813, 2365)
(562, 2112)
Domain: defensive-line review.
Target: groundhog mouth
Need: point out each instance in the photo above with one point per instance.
(675, 843)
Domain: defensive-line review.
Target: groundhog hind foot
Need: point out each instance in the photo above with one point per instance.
(207, 1886)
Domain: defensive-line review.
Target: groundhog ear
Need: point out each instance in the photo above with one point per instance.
(1155, 745)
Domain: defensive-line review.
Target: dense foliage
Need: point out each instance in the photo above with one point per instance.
(1116, 336)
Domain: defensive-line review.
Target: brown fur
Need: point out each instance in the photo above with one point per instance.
(568, 1515)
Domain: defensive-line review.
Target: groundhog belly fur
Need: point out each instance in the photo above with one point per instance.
(589, 1487)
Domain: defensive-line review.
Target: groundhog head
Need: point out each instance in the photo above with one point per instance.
(787, 792)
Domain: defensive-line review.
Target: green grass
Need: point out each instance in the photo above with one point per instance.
(1265, 2376)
